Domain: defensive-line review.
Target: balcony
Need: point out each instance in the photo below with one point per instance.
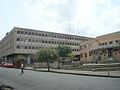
(105, 46)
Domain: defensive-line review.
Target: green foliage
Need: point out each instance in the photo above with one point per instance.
(119, 42)
(20, 58)
(63, 51)
(71, 56)
(46, 54)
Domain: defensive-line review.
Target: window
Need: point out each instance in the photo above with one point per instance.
(111, 42)
(22, 32)
(25, 33)
(60, 36)
(105, 43)
(89, 53)
(29, 47)
(32, 47)
(18, 47)
(25, 40)
(81, 55)
(42, 34)
(55, 42)
(85, 54)
(48, 41)
(21, 39)
(116, 49)
(18, 32)
(116, 41)
(29, 40)
(25, 47)
(54, 36)
(42, 41)
(32, 33)
(52, 42)
(45, 35)
(32, 40)
(18, 39)
(80, 47)
(29, 33)
(36, 34)
(36, 47)
(36, 41)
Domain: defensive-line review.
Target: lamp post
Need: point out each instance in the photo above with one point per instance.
(109, 56)
(108, 67)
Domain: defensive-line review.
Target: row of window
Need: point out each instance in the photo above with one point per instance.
(46, 42)
(82, 47)
(111, 42)
(36, 48)
(100, 52)
(51, 35)
(106, 43)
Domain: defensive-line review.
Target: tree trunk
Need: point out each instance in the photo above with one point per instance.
(59, 63)
(48, 65)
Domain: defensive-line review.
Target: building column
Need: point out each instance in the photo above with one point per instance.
(28, 59)
(5, 59)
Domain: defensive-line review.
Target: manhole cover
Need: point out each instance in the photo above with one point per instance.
(6, 87)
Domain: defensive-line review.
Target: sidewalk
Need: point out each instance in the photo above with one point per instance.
(76, 72)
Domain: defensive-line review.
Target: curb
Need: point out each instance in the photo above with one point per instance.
(75, 73)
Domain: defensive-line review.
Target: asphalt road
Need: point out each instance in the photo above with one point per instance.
(32, 80)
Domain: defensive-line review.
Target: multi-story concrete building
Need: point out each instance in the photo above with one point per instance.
(103, 47)
(28, 41)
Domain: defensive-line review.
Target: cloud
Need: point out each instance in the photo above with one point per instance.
(42, 15)
(97, 17)
(81, 17)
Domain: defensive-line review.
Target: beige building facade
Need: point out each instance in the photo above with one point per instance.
(101, 48)
(27, 41)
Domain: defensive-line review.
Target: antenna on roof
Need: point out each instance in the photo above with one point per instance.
(78, 27)
(69, 26)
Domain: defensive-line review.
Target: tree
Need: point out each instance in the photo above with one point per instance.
(20, 59)
(46, 55)
(63, 52)
(119, 42)
(71, 56)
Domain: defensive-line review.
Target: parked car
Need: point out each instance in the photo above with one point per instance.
(9, 65)
(2, 63)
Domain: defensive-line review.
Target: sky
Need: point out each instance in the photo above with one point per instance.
(79, 17)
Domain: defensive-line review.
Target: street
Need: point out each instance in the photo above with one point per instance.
(33, 80)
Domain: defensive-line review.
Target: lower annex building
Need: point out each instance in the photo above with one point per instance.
(22, 41)
(105, 47)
